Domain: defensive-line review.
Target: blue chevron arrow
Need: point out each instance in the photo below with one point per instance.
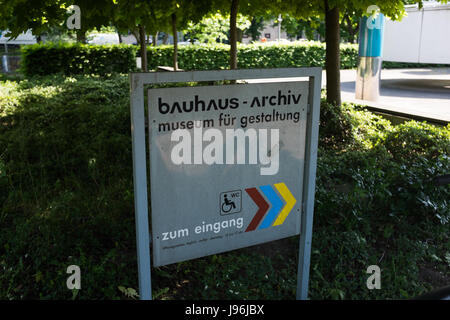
(276, 203)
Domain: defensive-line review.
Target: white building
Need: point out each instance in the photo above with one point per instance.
(268, 34)
(422, 36)
(24, 38)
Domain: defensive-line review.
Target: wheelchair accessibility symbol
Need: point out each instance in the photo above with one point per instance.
(230, 202)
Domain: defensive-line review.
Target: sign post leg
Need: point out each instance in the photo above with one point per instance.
(312, 135)
(140, 188)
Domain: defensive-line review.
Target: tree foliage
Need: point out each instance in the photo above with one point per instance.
(215, 27)
(20, 16)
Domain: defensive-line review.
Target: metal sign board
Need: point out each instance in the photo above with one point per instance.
(230, 166)
(213, 186)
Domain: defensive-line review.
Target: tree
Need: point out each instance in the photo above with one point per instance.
(215, 27)
(142, 18)
(349, 27)
(255, 28)
(183, 12)
(332, 54)
(175, 41)
(233, 33)
(94, 14)
(19, 16)
(247, 8)
(42, 15)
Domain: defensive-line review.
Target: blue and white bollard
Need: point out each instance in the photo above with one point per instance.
(371, 32)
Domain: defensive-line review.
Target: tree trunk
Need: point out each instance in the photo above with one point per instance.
(155, 39)
(135, 33)
(175, 42)
(233, 34)
(332, 57)
(166, 37)
(351, 31)
(143, 49)
(240, 35)
(81, 36)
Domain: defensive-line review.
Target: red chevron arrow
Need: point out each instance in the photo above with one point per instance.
(262, 204)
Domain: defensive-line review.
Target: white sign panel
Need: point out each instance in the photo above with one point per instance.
(226, 166)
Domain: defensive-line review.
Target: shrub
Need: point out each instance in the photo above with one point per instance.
(71, 59)
(408, 65)
(215, 57)
(335, 126)
(376, 203)
(412, 140)
(66, 197)
(65, 186)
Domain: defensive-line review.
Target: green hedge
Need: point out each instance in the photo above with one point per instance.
(70, 59)
(214, 57)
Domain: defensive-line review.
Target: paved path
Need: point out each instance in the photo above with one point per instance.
(423, 93)
(420, 93)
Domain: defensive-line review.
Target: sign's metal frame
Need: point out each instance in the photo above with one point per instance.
(140, 170)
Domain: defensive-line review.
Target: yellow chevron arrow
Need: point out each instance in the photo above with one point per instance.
(290, 202)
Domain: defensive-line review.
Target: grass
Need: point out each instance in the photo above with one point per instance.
(66, 197)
